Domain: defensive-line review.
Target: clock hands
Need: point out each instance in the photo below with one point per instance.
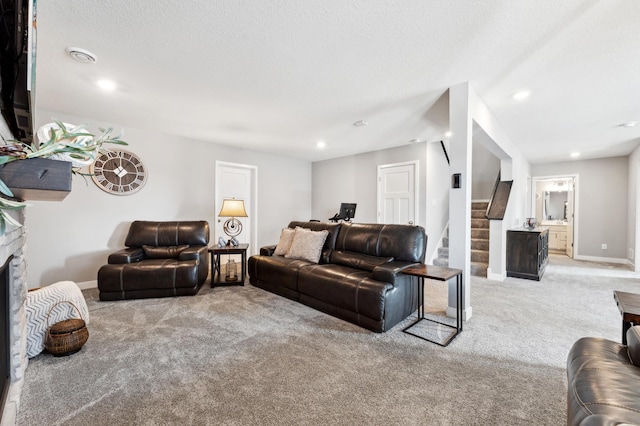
(119, 172)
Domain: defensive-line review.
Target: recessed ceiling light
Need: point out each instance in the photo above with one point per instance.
(360, 123)
(107, 85)
(522, 94)
(321, 145)
(414, 141)
(82, 55)
(575, 154)
(629, 124)
(447, 134)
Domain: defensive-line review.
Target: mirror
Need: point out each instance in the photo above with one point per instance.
(552, 200)
(554, 206)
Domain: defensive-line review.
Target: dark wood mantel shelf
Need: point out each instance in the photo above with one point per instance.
(37, 179)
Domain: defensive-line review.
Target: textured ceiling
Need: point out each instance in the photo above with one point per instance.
(279, 76)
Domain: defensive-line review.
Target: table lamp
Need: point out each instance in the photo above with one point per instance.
(232, 209)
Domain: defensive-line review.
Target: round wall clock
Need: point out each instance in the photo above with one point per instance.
(118, 172)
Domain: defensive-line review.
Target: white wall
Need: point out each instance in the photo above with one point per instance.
(632, 208)
(353, 179)
(602, 204)
(484, 171)
(71, 239)
(437, 203)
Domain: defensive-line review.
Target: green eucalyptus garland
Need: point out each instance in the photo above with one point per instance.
(65, 142)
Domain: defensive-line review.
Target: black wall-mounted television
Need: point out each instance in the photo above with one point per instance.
(15, 66)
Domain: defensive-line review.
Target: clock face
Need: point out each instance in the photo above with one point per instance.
(118, 172)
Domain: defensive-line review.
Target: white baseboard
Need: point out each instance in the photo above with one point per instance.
(496, 277)
(85, 285)
(601, 259)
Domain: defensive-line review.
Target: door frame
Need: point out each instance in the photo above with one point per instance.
(253, 210)
(416, 189)
(576, 194)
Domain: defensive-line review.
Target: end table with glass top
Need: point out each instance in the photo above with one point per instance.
(217, 277)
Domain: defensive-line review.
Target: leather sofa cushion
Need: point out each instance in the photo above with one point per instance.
(195, 233)
(344, 287)
(405, 243)
(601, 380)
(277, 269)
(358, 260)
(149, 274)
(633, 345)
(164, 252)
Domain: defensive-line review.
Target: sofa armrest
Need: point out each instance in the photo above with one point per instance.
(602, 420)
(268, 250)
(127, 255)
(193, 253)
(388, 271)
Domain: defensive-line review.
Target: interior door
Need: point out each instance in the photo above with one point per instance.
(237, 181)
(570, 218)
(397, 189)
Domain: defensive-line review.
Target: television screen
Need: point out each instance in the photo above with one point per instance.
(17, 68)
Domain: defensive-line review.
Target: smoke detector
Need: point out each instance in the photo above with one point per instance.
(82, 55)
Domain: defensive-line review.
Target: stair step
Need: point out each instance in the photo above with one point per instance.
(445, 242)
(478, 214)
(441, 262)
(480, 256)
(479, 269)
(479, 244)
(480, 234)
(443, 252)
(479, 205)
(479, 223)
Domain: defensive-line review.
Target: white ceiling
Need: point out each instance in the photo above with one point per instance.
(280, 75)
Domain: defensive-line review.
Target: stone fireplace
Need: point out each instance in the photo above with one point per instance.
(13, 243)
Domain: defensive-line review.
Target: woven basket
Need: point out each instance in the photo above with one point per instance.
(66, 337)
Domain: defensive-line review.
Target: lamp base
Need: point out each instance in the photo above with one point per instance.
(232, 227)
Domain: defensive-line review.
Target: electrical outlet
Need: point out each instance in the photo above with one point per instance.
(631, 254)
(604, 246)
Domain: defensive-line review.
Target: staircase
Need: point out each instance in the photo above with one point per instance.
(479, 239)
(479, 242)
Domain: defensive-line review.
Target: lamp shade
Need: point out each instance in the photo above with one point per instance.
(232, 208)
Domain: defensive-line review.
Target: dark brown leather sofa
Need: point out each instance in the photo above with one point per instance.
(359, 276)
(162, 259)
(604, 381)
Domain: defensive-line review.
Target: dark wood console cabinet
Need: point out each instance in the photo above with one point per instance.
(527, 252)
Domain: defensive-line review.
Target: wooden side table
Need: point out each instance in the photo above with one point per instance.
(441, 274)
(629, 307)
(216, 251)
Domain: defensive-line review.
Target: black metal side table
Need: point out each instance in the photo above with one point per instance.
(216, 251)
(441, 274)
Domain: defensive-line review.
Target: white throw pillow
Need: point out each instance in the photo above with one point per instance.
(307, 244)
(286, 238)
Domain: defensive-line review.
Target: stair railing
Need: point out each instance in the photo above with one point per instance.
(499, 199)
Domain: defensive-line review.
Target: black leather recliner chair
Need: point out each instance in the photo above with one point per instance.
(162, 259)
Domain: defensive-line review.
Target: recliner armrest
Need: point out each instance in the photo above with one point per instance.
(127, 255)
(193, 253)
(388, 271)
(268, 250)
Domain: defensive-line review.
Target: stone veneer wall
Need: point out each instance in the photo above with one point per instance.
(14, 243)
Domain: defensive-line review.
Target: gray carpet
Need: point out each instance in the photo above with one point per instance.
(243, 356)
